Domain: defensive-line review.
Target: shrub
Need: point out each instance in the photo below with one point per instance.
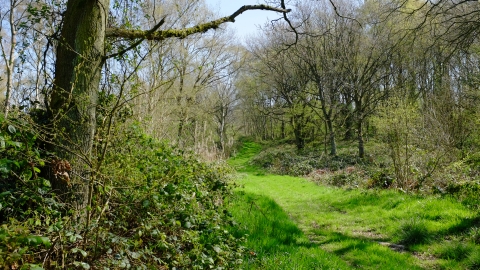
(380, 179)
(153, 207)
(300, 168)
(466, 191)
(29, 212)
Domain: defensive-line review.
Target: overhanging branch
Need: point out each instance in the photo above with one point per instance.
(183, 33)
(149, 32)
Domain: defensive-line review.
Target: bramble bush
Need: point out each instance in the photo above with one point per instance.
(154, 207)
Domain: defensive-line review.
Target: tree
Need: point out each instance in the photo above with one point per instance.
(286, 82)
(16, 11)
(80, 56)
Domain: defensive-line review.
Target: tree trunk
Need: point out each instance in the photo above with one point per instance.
(349, 122)
(333, 144)
(361, 147)
(80, 56)
(11, 56)
(297, 131)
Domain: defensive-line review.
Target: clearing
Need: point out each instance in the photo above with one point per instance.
(292, 223)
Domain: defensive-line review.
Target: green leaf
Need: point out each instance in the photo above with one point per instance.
(46, 183)
(84, 265)
(45, 241)
(217, 249)
(28, 174)
(35, 267)
(5, 193)
(5, 166)
(12, 129)
(83, 252)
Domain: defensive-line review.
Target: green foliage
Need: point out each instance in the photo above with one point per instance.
(380, 179)
(174, 214)
(152, 207)
(467, 191)
(28, 210)
(286, 160)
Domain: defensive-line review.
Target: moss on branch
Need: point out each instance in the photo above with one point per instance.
(183, 33)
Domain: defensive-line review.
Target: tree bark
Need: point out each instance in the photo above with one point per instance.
(333, 144)
(361, 146)
(80, 57)
(11, 56)
(298, 132)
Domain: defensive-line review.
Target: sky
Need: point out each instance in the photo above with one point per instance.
(247, 23)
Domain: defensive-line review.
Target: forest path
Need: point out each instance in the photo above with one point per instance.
(359, 226)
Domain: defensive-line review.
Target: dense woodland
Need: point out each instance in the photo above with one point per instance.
(117, 117)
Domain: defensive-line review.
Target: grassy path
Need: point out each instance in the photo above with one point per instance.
(295, 224)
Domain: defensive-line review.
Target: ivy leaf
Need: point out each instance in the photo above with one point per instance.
(217, 249)
(84, 265)
(12, 129)
(83, 252)
(5, 193)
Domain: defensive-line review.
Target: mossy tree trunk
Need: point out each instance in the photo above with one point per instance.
(80, 57)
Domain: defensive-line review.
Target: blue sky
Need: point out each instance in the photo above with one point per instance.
(247, 23)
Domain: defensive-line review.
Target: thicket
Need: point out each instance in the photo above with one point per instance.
(153, 207)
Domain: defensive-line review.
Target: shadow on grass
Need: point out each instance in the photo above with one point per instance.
(463, 226)
(362, 252)
(278, 243)
(273, 241)
(264, 220)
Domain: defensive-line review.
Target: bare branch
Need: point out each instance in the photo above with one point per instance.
(342, 16)
(183, 33)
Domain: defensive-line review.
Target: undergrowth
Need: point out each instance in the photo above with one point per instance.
(153, 208)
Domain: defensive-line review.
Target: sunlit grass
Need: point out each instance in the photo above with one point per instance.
(273, 240)
(359, 226)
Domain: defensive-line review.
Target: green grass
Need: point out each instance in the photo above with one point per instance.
(347, 227)
(273, 240)
(240, 159)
